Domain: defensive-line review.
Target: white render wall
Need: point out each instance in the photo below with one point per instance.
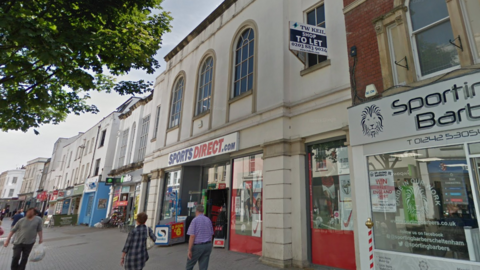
(8, 183)
(33, 175)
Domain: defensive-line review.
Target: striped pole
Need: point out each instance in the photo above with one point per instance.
(369, 225)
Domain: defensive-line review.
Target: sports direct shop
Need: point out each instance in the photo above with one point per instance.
(422, 153)
(211, 148)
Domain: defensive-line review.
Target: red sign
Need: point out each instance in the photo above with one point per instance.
(177, 230)
(55, 192)
(219, 243)
(222, 186)
(61, 194)
(122, 203)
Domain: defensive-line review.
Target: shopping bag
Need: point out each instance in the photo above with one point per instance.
(38, 253)
(150, 243)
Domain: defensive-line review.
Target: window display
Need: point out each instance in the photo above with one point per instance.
(171, 194)
(422, 202)
(246, 215)
(331, 208)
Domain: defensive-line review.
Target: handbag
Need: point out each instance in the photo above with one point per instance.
(150, 242)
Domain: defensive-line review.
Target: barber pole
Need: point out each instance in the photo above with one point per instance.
(369, 225)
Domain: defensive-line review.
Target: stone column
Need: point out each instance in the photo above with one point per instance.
(284, 235)
(155, 195)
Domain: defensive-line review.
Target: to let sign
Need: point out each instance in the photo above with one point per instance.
(308, 38)
(177, 230)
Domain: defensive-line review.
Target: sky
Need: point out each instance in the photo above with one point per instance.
(16, 147)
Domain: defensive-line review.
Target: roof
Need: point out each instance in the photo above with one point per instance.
(199, 29)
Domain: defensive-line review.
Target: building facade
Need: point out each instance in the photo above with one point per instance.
(10, 186)
(258, 132)
(31, 183)
(414, 131)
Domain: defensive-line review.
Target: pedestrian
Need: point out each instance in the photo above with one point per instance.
(22, 212)
(135, 253)
(200, 243)
(2, 214)
(16, 218)
(26, 231)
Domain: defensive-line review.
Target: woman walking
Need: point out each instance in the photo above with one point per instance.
(135, 253)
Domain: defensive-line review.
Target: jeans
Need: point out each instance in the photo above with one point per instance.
(21, 251)
(200, 253)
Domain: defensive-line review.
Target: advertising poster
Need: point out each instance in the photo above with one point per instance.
(382, 188)
(256, 225)
(177, 230)
(162, 234)
(346, 209)
(342, 161)
(102, 203)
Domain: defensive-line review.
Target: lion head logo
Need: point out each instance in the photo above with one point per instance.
(372, 121)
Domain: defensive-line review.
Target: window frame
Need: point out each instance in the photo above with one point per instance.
(172, 101)
(97, 167)
(413, 42)
(157, 122)
(142, 147)
(234, 63)
(201, 88)
(132, 141)
(123, 147)
(305, 20)
(102, 138)
(468, 29)
(391, 50)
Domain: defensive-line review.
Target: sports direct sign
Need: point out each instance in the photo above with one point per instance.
(208, 149)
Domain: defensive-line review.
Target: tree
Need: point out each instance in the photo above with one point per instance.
(53, 52)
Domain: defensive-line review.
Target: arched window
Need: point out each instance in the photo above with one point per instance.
(204, 92)
(176, 108)
(244, 57)
(432, 31)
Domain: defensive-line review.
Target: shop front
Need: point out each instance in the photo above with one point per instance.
(126, 197)
(229, 188)
(94, 204)
(419, 179)
(41, 203)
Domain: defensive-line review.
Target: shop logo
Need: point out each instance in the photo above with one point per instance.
(372, 121)
(162, 233)
(423, 265)
(92, 185)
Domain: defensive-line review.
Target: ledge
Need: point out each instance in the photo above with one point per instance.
(321, 65)
(201, 115)
(353, 5)
(242, 96)
(173, 128)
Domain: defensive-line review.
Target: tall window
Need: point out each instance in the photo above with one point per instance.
(87, 172)
(132, 140)
(143, 138)
(10, 193)
(102, 140)
(316, 17)
(76, 176)
(472, 20)
(244, 57)
(69, 160)
(81, 174)
(204, 92)
(157, 120)
(123, 148)
(14, 181)
(176, 107)
(432, 31)
(86, 148)
(97, 167)
(91, 146)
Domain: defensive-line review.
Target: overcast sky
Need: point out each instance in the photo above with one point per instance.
(16, 148)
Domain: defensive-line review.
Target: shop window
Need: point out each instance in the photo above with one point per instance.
(330, 201)
(422, 202)
(247, 205)
(474, 148)
(204, 92)
(251, 165)
(431, 32)
(244, 63)
(171, 195)
(176, 107)
(316, 17)
(471, 9)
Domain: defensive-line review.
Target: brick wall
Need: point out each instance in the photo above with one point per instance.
(361, 33)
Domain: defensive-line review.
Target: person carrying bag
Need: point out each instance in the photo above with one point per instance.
(135, 253)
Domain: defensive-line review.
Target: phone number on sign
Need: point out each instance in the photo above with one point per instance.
(445, 136)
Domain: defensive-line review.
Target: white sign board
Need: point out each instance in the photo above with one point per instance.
(91, 184)
(398, 261)
(308, 38)
(219, 146)
(440, 107)
(382, 188)
(162, 233)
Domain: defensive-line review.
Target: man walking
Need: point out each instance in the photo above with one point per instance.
(200, 243)
(26, 231)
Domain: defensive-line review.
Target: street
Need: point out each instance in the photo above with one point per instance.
(77, 247)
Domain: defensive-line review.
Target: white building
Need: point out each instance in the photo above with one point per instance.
(245, 119)
(31, 182)
(10, 185)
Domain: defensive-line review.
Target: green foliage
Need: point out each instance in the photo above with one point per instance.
(52, 52)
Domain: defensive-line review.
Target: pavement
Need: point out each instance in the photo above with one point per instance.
(79, 247)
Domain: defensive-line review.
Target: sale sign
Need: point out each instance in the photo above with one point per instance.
(382, 188)
(177, 230)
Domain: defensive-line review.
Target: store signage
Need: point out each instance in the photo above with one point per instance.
(122, 203)
(177, 230)
(222, 186)
(398, 261)
(22, 198)
(112, 180)
(219, 242)
(91, 184)
(55, 192)
(382, 188)
(443, 106)
(126, 178)
(208, 149)
(162, 233)
(308, 38)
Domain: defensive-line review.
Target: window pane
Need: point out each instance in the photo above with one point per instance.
(237, 73)
(422, 202)
(250, 65)
(239, 56)
(244, 53)
(320, 14)
(251, 48)
(434, 51)
(312, 59)
(426, 12)
(250, 82)
(473, 9)
(244, 69)
(244, 85)
(251, 35)
(311, 18)
(236, 90)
